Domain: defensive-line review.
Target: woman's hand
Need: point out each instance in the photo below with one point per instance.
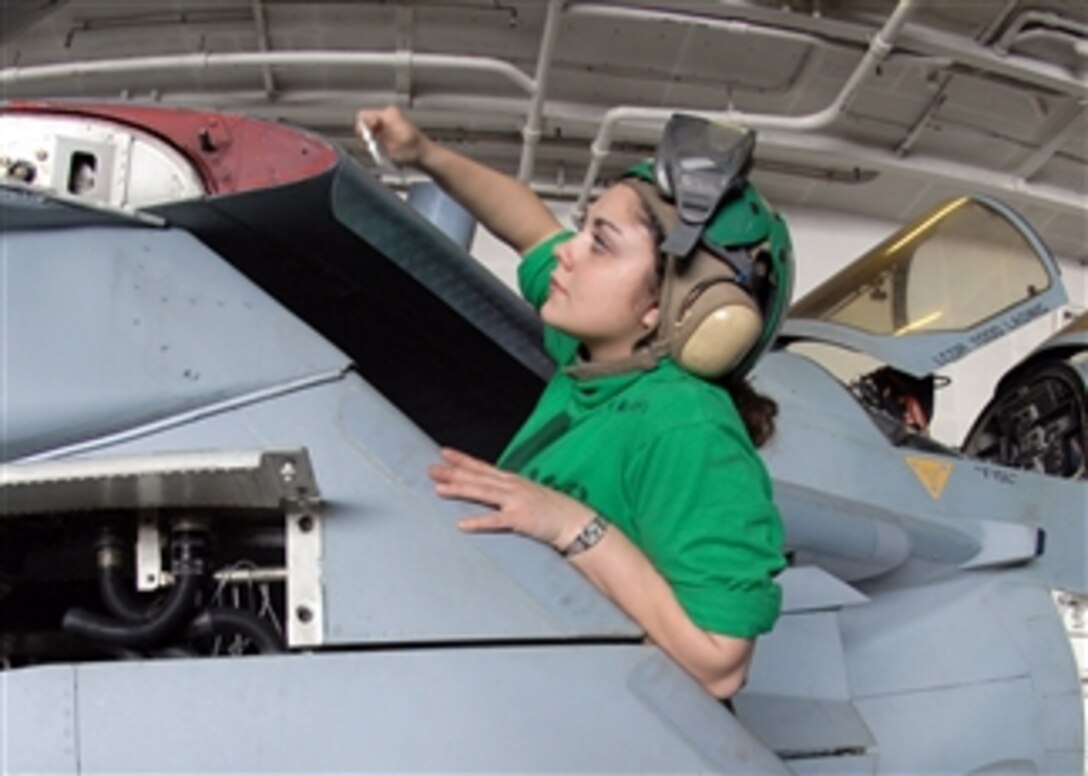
(401, 140)
(520, 505)
(618, 568)
(504, 206)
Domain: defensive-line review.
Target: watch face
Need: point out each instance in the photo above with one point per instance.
(593, 533)
(589, 536)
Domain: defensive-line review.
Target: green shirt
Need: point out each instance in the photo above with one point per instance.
(665, 457)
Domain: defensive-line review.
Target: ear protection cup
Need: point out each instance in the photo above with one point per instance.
(708, 321)
(716, 330)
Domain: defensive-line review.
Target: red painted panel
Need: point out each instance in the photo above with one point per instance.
(232, 153)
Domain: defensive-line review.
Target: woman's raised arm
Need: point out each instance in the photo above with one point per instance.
(505, 206)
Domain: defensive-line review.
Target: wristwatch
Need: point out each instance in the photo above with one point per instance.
(592, 533)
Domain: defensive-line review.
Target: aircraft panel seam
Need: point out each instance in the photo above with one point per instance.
(190, 416)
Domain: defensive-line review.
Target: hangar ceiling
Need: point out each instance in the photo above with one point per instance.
(871, 107)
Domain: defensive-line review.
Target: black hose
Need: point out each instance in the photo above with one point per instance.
(115, 593)
(220, 621)
(167, 621)
(117, 598)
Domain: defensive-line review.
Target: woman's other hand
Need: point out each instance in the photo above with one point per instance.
(401, 140)
(521, 505)
(619, 569)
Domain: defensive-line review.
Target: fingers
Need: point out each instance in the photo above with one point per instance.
(370, 119)
(495, 521)
(467, 478)
(459, 463)
(466, 461)
(481, 486)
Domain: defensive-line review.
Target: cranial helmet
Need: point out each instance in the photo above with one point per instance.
(728, 259)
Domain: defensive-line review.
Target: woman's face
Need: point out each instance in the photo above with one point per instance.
(603, 290)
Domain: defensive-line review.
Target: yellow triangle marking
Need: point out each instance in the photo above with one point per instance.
(931, 473)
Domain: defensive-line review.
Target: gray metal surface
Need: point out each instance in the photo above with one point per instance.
(394, 565)
(146, 322)
(618, 709)
(39, 721)
(944, 506)
(914, 690)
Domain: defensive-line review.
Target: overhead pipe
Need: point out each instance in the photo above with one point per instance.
(262, 59)
(531, 131)
(823, 149)
(1047, 19)
(737, 26)
(402, 76)
(929, 169)
(920, 41)
(1060, 133)
(1056, 25)
(264, 43)
(1077, 43)
(988, 35)
(985, 60)
(940, 96)
(879, 47)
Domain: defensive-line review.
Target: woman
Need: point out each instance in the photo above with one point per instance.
(641, 474)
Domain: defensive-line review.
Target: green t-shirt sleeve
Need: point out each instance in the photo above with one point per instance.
(534, 278)
(705, 518)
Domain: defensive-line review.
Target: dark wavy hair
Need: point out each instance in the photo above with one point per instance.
(756, 410)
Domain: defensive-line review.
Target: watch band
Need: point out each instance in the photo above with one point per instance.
(592, 533)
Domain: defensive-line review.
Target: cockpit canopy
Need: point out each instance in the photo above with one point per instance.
(963, 274)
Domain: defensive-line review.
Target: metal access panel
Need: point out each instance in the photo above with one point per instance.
(395, 567)
(201, 482)
(489, 709)
(140, 309)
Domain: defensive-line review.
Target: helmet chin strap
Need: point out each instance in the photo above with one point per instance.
(643, 359)
(648, 351)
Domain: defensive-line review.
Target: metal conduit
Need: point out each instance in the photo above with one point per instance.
(829, 150)
(738, 26)
(1047, 19)
(922, 42)
(531, 132)
(264, 43)
(930, 169)
(819, 45)
(879, 47)
(1062, 131)
(263, 59)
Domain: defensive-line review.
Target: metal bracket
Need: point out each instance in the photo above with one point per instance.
(305, 595)
(148, 553)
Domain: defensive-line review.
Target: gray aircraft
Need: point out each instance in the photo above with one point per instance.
(229, 354)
